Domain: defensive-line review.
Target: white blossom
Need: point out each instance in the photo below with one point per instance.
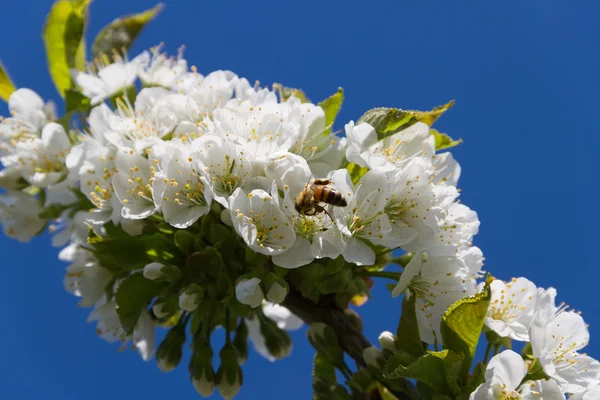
(133, 185)
(316, 236)
(224, 163)
(42, 159)
(393, 151)
(180, 188)
(263, 130)
(437, 283)
(248, 291)
(363, 219)
(257, 218)
(109, 328)
(503, 377)
(282, 316)
(105, 79)
(28, 117)
(19, 215)
(155, 68)
(387, 341)
(85, 278)
(556, 344)
(591, 394)
(412, 207)
(511, 308)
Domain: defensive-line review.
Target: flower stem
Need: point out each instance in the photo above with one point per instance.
(227, 327)
(488, 348)
(381, 274)
(345, 370)
(497, 348)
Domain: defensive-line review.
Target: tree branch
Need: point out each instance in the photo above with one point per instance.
(351, 339)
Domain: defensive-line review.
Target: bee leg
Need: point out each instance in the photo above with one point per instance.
(320, 209)
(311, 212)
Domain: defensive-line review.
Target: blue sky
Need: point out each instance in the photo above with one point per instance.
(525, 79)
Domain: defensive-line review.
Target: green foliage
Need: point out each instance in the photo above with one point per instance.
(240, 341)
(132, 297)
(277, 341)
(323, 338)
(408, 338)
(325, 384)
(535, 372)
(120, 33)
(75, 101)
(286, 92)
(6, 85)
(443, 141)
(462, 323)
(356, 172)
(452, 369)
(63, 36)
(429, 369)
(184, 240)
(476, 378)
(385, 393)
(121, 252)
(388, 121)
(332, 106)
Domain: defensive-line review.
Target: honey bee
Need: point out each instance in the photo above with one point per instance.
(307, 202)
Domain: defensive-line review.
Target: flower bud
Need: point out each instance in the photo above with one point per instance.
(201, 370)
(204, 382)
(184, 240)
(156, 271)
(387, 341)
(374, 357)
(277, 341)
(164, 307)
(324, 340)
(240, 342)
(248, 291)
(277, 288)
(229, 376)
(169, 352)
(191, 297)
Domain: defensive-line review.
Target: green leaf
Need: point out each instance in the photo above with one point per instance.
(478, 376)
(6, 85)
(385, 393)
(323, 369)
(388, 121)
(356, 172)
(332, 106)
(63, 36)
(443, 141)
(428, 369)
(407, 333)
(286, 92)
(462, 323)
(129, 253)
(120, 34)
(75, 101)
(184, 240)
(535, 372)
(452, 369)
(131, 297)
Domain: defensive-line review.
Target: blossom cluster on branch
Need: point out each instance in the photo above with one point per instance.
(195, 202)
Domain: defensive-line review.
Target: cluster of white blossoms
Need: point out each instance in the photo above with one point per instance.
(188, 145)
(521, 311)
